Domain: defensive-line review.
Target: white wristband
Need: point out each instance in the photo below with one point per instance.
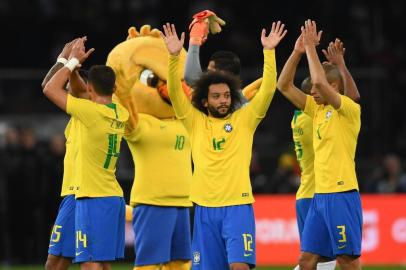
(72, 64)
(62, 60)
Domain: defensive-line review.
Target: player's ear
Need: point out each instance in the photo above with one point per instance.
(205, 103)
(335, 85)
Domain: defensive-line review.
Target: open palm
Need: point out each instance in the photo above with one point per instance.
(172, 41)
(275, 36)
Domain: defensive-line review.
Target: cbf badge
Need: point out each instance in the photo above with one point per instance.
(328, 114)
(228, 127)
(196, 257)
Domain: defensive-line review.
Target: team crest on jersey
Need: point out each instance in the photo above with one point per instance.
(228, 127)
(329, 114)
(196, 257)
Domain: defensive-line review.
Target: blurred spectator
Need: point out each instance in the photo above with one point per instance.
(393, 178)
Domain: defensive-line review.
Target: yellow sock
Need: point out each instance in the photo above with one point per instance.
(177, 265)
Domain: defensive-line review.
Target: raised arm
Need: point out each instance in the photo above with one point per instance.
(60, 62)
(335, 55)
(54, 89)
(319, 80)
(286, 79)
(193, 69)
(260, 103)
(180, 102)
(203, 22)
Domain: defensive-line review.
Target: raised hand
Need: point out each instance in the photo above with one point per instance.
(67, 49)
(173, 43)
(78, 50)
(335, 53)
(299, 46)
(309, 33)
(275, 36)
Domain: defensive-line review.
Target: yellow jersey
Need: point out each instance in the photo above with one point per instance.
(335, 134)
(163, 162)
(68, 182)
(101, 128)
(221, 147)
(302, 130)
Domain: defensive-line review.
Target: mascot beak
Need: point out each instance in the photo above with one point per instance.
(163, 91)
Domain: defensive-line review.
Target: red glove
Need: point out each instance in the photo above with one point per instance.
(203, 22)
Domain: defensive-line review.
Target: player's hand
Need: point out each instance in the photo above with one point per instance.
(79, 51)
(335, 53)
(275, 36)
(67, 49)
(172, 41)
(299, 46)
(310, 35)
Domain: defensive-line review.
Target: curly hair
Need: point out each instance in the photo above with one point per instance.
(201, 89)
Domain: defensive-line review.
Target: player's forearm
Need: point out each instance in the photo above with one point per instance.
(263, 98)
(57, 66)
(193, 69)
(351, 89)
(180, 103)
(319, 79)
(54, 89)
(77, 85)
(287, 76)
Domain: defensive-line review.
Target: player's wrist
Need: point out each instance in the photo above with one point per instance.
(62, 60)
(72, 63)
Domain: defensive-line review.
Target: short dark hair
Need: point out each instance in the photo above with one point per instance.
(226, 61)
(103, 79)
(306, 85)
(201, 89)
(333, 74)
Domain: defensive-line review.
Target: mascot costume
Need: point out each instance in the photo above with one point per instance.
(159, 145)
(160, 148)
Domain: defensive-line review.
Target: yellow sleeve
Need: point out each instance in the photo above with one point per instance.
(260, 103)
(84, 110)
(349, 109)
(184, 109)
(251, 90)
(310, 107)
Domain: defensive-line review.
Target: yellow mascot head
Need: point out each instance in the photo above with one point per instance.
(141, 67)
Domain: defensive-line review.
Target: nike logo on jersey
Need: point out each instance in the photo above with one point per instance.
(51, 245)
(78, 253)
(247, 254)
(341, 247)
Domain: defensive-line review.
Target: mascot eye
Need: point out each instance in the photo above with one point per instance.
(149, 78)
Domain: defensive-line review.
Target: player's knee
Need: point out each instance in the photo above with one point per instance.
(348, 262)
(54, 263)
(307, 261)
(177, 265)
(51, 264)
(239, 266)
(148, 267)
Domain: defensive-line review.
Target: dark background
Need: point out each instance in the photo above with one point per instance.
(31, 128)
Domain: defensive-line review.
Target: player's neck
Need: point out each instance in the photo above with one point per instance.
(102, 99)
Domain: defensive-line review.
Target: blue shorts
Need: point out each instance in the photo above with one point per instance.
(62, 242)
(99, 226)
(222, 236)
(333, 225)
(302, 207)
(162, 234)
